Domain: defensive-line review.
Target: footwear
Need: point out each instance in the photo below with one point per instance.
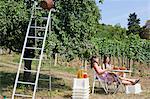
(136, 81)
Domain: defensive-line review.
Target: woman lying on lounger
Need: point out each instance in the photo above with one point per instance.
(107, 65)
(110, 76)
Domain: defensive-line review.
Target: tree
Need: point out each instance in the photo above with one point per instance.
(14, 18)
(13, 24)
(101, 1)
(145, 31)
(133, 24)
(74, 23)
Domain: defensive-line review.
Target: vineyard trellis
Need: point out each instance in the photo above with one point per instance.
(126, 50)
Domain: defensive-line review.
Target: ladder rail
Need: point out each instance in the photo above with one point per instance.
(48, 26)
(23, 49)
(41, 56)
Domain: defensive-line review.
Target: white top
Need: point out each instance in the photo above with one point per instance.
(107, 66)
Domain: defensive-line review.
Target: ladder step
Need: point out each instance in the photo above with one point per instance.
(28, 83)
(35, 37)
(44, 18)
(21, 95)
(33, 71)
(30, 59)
(37, 27)
(43, 88)
(33, 48)
(44, 79)
(38, 8)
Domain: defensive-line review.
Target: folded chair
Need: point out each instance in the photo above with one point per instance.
(105, 84)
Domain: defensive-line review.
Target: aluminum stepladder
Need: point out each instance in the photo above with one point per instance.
(34, 8)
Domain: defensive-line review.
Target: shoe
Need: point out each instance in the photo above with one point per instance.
(136, 81)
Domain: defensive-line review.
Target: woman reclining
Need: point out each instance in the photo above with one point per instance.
(107, 75)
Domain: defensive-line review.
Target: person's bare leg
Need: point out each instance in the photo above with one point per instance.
(127, 79)
(126, 82)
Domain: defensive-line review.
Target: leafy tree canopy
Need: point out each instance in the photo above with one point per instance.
(13, 24)
(74, 24)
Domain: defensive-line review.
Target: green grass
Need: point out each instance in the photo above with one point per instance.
(15, 58)
(71, 70)
(61, 86)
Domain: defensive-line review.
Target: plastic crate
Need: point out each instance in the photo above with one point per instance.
(81, 83)
(81, 88)
(133, 89)
(80, 97)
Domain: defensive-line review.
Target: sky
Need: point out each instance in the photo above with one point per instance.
(117, 11)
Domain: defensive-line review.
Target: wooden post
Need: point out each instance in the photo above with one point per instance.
(100, 60)
(122, 58)
(9, 51)
(82, 62)
(130, 64)
(130, 67)
(67, 64)
(1, 51)
(0, 85)
(111, 58)
(114, 60)
(118, 61)
(55, 61)
(127, 63)
(85, 64)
